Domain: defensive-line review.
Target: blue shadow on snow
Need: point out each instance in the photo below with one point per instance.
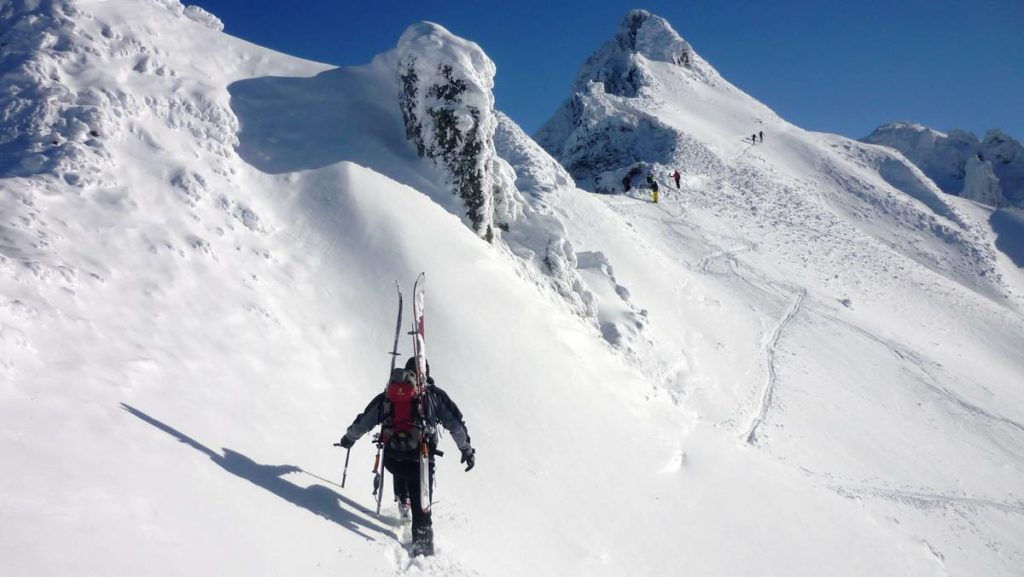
(1008, 224)
(317, 499)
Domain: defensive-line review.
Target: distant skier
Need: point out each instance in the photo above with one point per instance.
(753, 138)
(676, 176)
(760, 136)
(404, 426)
(654, 187)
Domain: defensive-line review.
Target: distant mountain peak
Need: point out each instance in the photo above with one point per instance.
(905, 126)
(618, 64)
(652, 37)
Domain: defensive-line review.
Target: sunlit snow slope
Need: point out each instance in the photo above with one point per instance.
(819, 298)
(791, 367)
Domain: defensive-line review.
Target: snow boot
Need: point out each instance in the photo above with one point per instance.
(405, 509)
(423, 542)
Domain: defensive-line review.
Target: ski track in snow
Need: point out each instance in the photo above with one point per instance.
(704, 262)
(925, 500)
(770, 352)
(756, 282)
(929, 380)
(760, 284)
(743, 274)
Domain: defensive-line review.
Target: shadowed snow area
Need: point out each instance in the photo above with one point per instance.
(295, 124)
(1008, 225)
(804, 359)
(292, 124)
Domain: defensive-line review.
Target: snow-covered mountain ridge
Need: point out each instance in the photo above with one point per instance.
(989, 171)
(805, 361)
(808, 222)
(677, 115)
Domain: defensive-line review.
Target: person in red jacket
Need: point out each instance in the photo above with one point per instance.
(433, 406)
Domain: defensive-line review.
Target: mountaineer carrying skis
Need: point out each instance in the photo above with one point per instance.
(407, 420)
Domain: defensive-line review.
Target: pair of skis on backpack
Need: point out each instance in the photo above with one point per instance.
(419, 350)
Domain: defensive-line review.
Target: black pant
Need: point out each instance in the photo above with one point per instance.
(407, 484)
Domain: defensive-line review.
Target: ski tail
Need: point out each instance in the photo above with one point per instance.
(398, 330)
(420, 349)
(426, 488)
(378, 468)
(419, 329)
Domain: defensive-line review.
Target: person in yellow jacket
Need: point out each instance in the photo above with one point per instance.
(654, 187)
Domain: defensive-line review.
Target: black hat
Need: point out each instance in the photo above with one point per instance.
(410, 365)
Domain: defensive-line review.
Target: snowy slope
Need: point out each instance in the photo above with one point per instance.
(833, 307)
(197, 299)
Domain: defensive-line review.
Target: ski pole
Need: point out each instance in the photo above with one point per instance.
(345, 474)
(378, 474)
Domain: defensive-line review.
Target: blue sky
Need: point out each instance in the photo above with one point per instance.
(843, 67)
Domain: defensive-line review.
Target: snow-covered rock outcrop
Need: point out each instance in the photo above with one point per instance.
(980, 182)
(636, 113)
(447, 103)
(500, 175)
(540, 238)
(952, 160)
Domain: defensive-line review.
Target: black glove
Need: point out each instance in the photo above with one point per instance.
(346, 443)
(469, 457)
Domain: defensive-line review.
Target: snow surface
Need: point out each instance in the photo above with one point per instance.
(807, 361)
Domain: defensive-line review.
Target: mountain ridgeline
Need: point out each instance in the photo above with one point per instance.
(989, 171)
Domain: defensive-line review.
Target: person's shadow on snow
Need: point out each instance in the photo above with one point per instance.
(317, 499)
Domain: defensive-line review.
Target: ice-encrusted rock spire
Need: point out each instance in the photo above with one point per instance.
(448, 108)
